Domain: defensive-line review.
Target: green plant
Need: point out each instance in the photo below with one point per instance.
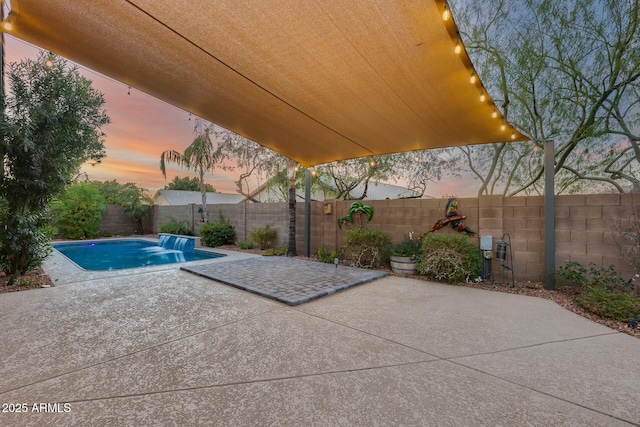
(367, 248)
(244, 245)
(218, 233)
(609, 303)
(77, 213)
(449, 258)
(278, 251)
(325, 255)
(574, 275)
(407, 248)
(359, 209)
(263, 236)
(176, 227)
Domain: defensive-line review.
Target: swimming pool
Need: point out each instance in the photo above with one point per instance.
(122, 254)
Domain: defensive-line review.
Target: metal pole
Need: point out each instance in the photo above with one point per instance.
(549, 216)
(307, 213)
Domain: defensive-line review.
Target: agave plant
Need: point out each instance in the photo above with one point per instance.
(359, 209)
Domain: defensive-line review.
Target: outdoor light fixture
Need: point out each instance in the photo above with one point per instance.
(501, 250)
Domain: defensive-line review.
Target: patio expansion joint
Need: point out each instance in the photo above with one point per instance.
(142, 350)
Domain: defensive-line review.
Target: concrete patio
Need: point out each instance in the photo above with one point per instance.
(160, 346)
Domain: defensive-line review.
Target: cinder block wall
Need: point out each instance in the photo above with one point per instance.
(584, 225)
(116, 222)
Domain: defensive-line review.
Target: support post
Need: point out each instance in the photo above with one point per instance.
(307, 213)
(549, 216)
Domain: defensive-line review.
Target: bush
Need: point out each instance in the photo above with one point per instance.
(244, 245)
(574, 276)
(279, 251)
(325, 255)
(218, 233)
(367, 248)
(263, 236)
(449, 258)
(608, 303)
(408, 248)
(176, 227)
(77, 213)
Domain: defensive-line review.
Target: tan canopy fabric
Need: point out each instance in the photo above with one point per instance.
(315, 80)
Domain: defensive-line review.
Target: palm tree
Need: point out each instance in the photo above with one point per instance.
(201, 156)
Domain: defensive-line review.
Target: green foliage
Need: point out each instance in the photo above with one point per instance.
(187, 184)
(50, 127)
(176, 227)
(359, 209)
(408, 248)
(326, 255)
(129, 196)
(263, 236)
(449, 258)
(574, 275)
(609, 303)
(244, 245)
(367, 248)
(217, 233)
(78, 212)
(278, 251)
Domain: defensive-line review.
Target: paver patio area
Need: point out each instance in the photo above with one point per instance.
(166, 347)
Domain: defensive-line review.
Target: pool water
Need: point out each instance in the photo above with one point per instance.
(121, 254)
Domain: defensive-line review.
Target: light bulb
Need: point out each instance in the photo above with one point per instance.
(458, 48)
(503, 126)
(513, 135)
(473, 78)
(372, 163)
(483, 97)
(446, 14)
(495, 113)
(48, 63)
(7, 25)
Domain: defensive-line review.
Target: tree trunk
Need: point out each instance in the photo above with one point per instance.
(291, 247)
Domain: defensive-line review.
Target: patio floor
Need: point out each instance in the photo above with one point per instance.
(163, 347)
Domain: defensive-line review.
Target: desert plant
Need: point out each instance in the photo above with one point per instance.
(218, 233)
(278, 251)
(174, 226)
(325, 255)
(263, 236)
(367, 248)
(77, 213)
(609, 303)
(244, 245)
(574, 276)
(449, 258)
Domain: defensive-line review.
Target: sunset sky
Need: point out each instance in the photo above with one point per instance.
(142, 127)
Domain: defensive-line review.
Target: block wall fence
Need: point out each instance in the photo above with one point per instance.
(583, 232)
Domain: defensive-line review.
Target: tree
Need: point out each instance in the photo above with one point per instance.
(202, 155)
(77, 213)
(566, 71)
(49, 127)
(130, 196)
(187, 184)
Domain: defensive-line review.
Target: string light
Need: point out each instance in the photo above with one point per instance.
(483, 97)
(7, 26)
(372, 163)
(49, 62)
(495, 113)
(458, 48)
(313, 172)
(503, 126)
(473, 78)
(129, 90)
(446, 13)
(513, 135)
(189, 116)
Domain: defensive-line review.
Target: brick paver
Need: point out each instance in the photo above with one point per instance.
(289, 280)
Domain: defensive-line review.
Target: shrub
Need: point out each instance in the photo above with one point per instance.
(449, 258)
(609, 303)
(279, 251)
(325, 255)
(217, 233)
(263, 236)
(244, 245)
(176, 227)
(574, 276)
(77, 213)
(408, 248)
(367, 248)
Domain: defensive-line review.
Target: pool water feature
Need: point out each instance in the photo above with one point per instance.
(132, 253)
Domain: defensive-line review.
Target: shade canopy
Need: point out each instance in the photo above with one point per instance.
(315, 80)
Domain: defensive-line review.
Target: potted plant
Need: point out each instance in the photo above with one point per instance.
(404, 257)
